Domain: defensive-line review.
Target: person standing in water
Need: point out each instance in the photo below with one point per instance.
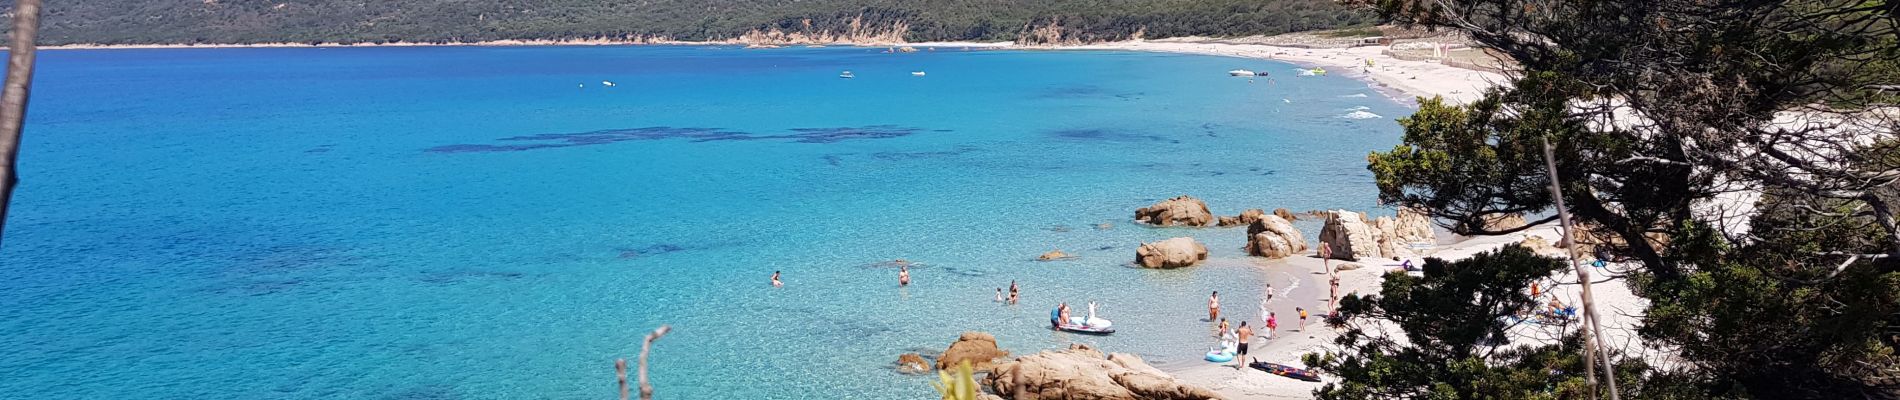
(1240, 354)
(999, 295)
(1013, 292)
(903, 275)
(775, 281)
(1213, 306)
(1222, 332)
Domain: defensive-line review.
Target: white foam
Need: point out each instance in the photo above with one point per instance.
(1359, 108)
(1360, 115)
(1359, 95)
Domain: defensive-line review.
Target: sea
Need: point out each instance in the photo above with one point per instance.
(506, 222)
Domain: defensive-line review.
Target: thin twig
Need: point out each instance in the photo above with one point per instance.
(26, 24)
(646, 389)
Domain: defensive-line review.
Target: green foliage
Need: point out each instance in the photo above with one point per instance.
(1452, 318)
(958, 386)
(1457, 321)
(251, 21)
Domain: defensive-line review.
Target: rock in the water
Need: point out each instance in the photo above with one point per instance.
(1083, 373)
(977, 347)
(912, 363)
(1348, 237)
(1053, 255)
(1284, 214)
(1172, 253)
(1184, 211)
(1274, 237)
(1245, 217)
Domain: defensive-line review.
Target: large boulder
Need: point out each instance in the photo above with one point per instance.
(1504, 222)
(976, 347)
(1172, 253)
(1245, 217)
(1083, 373)
(1348, 236)
(1274, 237)
(1183, 211)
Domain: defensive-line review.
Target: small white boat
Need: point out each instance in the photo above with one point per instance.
(1240, 72)
(847, 75)
(607, 83)
(917, 73)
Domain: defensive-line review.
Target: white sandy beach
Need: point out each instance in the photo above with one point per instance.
(1410, 78)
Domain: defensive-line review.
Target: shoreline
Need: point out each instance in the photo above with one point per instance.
(1388, 75)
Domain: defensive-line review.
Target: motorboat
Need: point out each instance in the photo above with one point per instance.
(917, 73)
(846, 75)
(1240, 72)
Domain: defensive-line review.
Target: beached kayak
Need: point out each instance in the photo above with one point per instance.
(1285, 370)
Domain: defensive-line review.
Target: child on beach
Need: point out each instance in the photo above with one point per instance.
(1302, 318)
(1273, 324)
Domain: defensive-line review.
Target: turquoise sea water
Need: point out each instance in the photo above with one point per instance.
(493, 222)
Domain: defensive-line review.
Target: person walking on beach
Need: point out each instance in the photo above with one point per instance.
(1302, 311)
(1240, 353)
(903, 275)
(1333, 301)
(1273, 324)
(1213, 306)
(775, 281)
(1013, 296)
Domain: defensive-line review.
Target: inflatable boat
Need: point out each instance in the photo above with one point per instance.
(1285, 370)
(1096, 326)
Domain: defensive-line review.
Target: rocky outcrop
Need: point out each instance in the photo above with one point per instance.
(1274, 237)
(1284, 214)
(1172, 253)
(1396, 235)
(1348, 236)
(1053, 255)
(1245, 217)
(976, 347)
(1082, 372)
(1183, 211)
(912, 363)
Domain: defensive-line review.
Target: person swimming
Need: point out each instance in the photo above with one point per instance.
(903, 275)
(775, 281)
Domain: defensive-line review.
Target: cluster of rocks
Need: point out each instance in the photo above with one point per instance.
(1348, 236)
(1080, 372)
(1178, 211)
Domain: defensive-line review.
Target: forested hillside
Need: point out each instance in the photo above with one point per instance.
(348, 21)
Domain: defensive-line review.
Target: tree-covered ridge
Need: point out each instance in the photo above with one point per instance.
(355, 21)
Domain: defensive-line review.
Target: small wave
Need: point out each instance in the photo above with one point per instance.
(1360, 115)
(1359, 108)
(1360, 95)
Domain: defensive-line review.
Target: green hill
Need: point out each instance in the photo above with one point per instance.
(351, 21)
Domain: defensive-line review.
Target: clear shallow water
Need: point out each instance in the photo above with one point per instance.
(465, 222)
